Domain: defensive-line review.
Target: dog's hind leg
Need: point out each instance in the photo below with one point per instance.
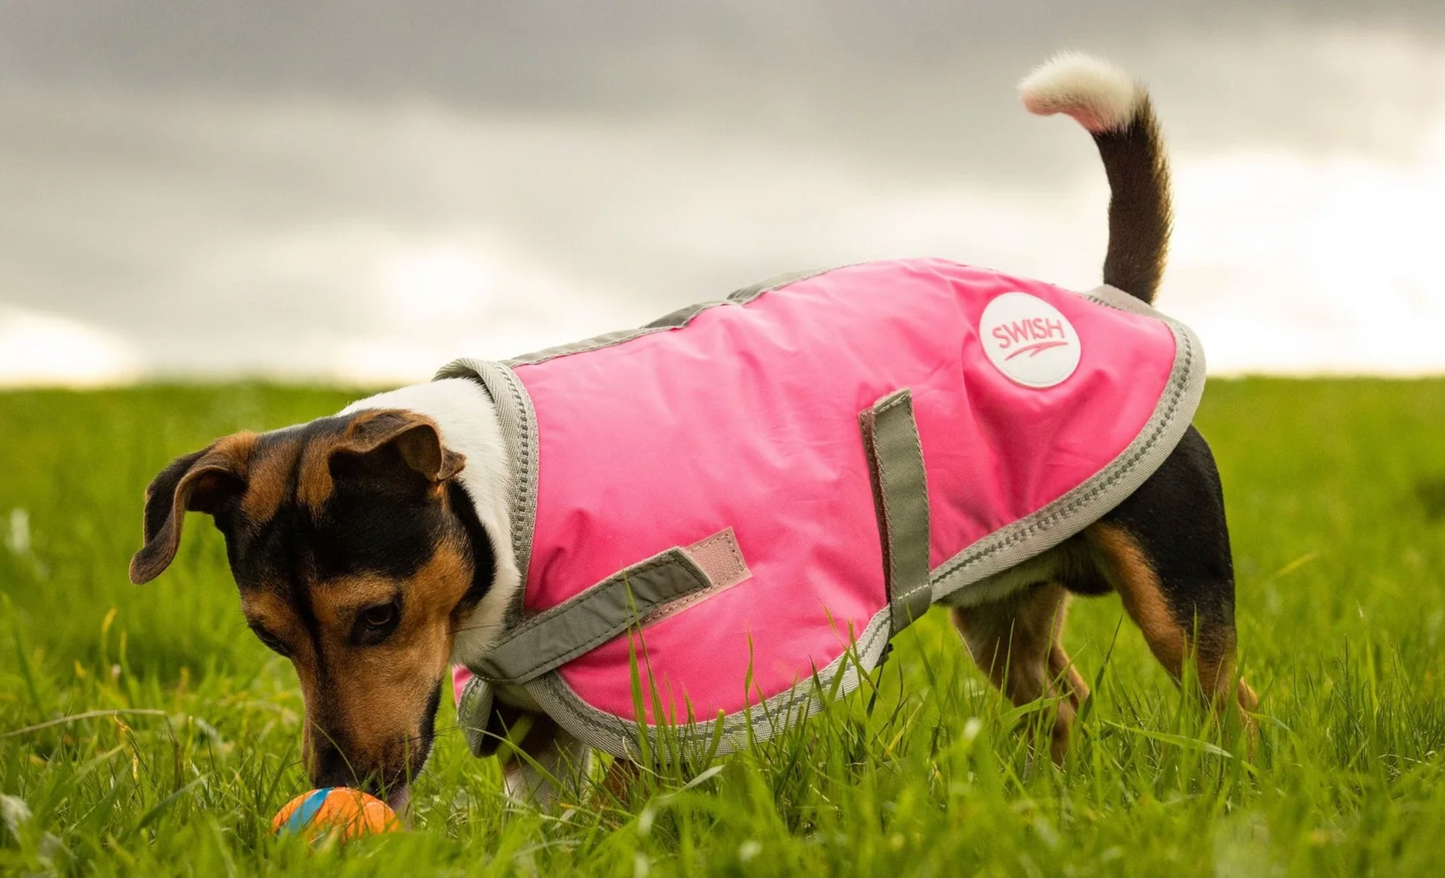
(1016, 642)
(1165, 550)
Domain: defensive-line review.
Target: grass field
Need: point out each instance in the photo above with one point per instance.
(1336, 494)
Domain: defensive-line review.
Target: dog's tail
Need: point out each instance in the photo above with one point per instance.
(1116, 110)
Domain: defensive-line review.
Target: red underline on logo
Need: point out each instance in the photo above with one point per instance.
(1034, 349)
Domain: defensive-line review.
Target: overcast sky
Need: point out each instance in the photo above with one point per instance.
(365, 190)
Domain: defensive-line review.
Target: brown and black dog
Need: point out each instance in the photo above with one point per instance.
(371, 546)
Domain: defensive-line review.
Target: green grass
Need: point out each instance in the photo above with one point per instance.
(1336, 494)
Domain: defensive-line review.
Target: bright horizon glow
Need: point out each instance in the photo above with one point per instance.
(1293, 266)
(1282, 264)
(41, 350)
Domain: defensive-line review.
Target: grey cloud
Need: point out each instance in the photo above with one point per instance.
(569, 53)
(209, 180)
(855, 70)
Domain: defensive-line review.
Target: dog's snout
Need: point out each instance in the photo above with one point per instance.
(388, 781)
(329, 768)
(351, 748)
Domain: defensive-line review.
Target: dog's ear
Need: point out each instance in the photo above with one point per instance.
(407, 437)
(197, 482)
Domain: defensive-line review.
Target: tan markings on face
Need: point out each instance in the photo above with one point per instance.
(237, 446)
(269, 480)
(314, 483)
(313, 480)
(275, 614)
(378, 695)
(357, 593)
(366, 431)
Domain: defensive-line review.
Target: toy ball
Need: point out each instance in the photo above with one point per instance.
(335, 811)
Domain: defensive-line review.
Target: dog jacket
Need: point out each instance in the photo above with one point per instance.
(723, 513)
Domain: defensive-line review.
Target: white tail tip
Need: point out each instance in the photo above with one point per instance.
(1100, 96)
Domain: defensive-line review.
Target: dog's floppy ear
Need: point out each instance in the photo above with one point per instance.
(197, 482)
(414, 438)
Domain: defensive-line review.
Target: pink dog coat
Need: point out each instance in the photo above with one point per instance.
(748, 498)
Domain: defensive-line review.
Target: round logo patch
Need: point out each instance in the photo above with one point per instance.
(1029, 340)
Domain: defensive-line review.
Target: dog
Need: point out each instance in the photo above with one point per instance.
(378, 547)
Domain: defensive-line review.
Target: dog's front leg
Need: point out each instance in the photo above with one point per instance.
(551, 769)
(620, 779)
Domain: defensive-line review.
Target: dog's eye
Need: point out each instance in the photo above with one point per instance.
(379, 616)
(375, 624)
(271, 642)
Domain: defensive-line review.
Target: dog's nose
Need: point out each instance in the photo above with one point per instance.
(330, 769)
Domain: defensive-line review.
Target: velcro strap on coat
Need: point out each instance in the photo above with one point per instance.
(475, 716)
(584, 622)
(490, 727)
(900, 495)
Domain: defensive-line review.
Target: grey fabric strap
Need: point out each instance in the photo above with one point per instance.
(900, 493)
(518, 422)
(476, 717)
(557, 635)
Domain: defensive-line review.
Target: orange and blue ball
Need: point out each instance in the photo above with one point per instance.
(335, 811)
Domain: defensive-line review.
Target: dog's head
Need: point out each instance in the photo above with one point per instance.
(358, 556)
